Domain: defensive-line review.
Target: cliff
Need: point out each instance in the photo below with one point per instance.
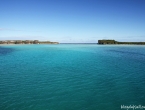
(116, 42)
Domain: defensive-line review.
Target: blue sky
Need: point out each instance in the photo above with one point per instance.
(72, 20)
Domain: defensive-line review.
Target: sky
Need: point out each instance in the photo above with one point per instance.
(72, 21)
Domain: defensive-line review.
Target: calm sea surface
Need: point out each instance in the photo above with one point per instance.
(71, 77)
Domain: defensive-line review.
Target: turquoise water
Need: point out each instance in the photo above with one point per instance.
(71, 77)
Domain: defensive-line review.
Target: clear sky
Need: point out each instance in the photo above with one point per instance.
(72, 20)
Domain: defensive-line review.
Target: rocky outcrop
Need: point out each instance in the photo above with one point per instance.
(116, 42)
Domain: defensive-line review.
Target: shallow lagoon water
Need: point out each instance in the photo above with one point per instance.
(71, 77)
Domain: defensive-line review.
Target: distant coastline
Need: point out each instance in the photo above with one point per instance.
(27, 42)
(105, 42)
(100, 42)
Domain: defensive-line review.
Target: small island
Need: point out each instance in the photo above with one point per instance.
(103, 42)
(27, 42)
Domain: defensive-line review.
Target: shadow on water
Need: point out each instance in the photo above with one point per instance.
(6, 51)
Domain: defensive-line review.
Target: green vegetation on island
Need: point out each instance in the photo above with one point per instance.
(116, 42)
(27, 42)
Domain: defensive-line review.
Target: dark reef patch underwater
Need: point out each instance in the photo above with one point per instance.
(5, 50)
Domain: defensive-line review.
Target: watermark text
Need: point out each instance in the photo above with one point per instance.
(133, 107)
